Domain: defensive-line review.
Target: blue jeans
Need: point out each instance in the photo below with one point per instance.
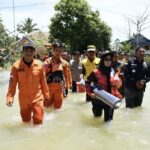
(133, 98)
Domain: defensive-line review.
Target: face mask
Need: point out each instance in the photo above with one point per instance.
(107, 62)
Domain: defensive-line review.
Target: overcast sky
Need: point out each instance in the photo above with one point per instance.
(113, 12)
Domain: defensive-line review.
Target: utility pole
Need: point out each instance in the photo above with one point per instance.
(14, 24)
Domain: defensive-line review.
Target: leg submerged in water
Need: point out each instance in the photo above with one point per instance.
(37, 114)
(108, 113)
(96, 107)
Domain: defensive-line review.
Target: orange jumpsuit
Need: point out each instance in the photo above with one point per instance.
(32, 89)
(57, 84)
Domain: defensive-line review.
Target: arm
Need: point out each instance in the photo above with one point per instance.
(91, 79)
(83, 71)
(142, 83)
(44, 86)
(47, 66)
(67, 75)
(12, 86)
(147, 78)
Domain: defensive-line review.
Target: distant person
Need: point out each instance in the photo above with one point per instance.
(126, 58)
(137, 74)
(89, 64)
(104, 78)
(117, 65)
(66, 57)
(28, 73)
(75, 66)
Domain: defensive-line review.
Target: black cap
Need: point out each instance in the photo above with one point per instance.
(29, 44)
(106, 53)
(76, 53)
(57, 43)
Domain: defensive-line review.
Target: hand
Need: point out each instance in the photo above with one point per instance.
(9, 103)
(93, 95)
(81, 76)
(139, 84)
(47, 102)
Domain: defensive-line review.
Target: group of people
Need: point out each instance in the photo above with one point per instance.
(126, 79)
(39, 84)
(46, 84)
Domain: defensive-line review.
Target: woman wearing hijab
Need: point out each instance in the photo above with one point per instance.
(103, 77)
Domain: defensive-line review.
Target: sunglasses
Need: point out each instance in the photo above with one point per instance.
(108, 59)
(91, 52)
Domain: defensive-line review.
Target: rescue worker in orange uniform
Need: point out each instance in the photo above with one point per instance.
(33, 89)
(58, 76)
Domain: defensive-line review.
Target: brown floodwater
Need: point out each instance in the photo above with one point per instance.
(73, 127)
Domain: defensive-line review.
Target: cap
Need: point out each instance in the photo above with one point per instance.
(57, 43)
(106, 53)
(91, 48)
(76, 53)
(29, 44)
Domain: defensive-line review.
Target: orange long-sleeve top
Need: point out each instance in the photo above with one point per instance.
(31, 81)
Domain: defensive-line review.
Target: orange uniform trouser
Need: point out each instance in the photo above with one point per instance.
(56, 95)
(27, 110)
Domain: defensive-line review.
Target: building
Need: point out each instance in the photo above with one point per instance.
(141, 41)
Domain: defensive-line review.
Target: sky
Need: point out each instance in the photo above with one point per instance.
(113, 12)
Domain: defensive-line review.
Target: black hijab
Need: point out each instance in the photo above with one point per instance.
(106, 70)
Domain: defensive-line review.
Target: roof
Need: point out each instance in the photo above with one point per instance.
(25, 39)
(143, 41)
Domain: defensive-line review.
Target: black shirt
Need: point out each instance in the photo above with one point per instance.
(136, 71)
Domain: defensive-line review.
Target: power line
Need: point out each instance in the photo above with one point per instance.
(27, 5)
(113, 12)
(46, 3)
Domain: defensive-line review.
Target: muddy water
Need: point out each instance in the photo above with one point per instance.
(74, 127)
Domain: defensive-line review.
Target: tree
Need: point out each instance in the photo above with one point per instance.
(6, 43)
(141, 23)
(5, 40)
(117, 46)
(76, 25)
(27, 26)
(126, 47)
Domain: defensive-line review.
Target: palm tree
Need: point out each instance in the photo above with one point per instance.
(27, 26)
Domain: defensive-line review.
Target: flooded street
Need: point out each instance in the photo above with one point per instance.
(74, 127)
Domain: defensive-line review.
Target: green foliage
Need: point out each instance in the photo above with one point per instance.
(5, 40)
(27, 26)
(76, 25)
(126, 47)
(116, 46)
(121, 46)
(147, 58)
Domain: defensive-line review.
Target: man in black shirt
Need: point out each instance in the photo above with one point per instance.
(137, 74)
